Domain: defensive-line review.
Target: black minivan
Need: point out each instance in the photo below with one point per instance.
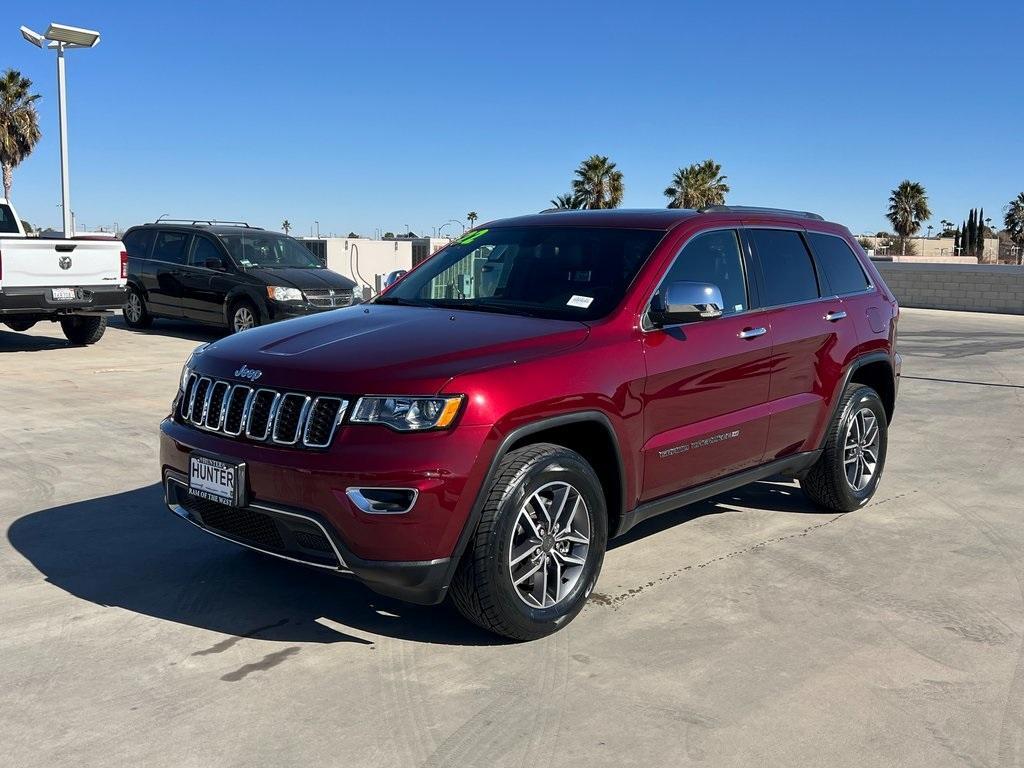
(224, 273)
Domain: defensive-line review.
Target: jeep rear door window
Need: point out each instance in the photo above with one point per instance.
(713, 257)
(137, 243)
(839, 263)
(786, 266)
(578, 273)
(171, 247)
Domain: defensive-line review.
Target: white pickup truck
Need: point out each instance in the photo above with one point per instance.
(76, 281)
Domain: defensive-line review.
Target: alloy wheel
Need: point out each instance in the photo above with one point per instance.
(549, 546)
(243, 319)
(133, 308)
(860, 451)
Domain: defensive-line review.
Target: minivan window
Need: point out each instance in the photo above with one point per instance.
(578, 273)
(7, 221)
(786, 266)
(714, 257)
(839, 263)
(171, 247)
(137, 243)
(268, 250)
(202, 251)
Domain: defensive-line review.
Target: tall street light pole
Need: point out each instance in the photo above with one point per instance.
(62, 37)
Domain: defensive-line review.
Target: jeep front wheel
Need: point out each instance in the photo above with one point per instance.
(537, 551)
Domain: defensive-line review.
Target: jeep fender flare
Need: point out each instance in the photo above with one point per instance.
(851, 368)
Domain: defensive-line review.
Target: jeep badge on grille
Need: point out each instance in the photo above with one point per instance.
(248, 373)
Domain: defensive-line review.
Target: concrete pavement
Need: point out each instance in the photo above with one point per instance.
(751, 629)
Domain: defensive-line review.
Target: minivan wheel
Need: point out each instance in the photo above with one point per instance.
(243, 317)
(537, 551)
(83, 329)
(135, 313)
(847, 474)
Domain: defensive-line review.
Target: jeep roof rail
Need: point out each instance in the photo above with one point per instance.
(759, 209)
(201, 222)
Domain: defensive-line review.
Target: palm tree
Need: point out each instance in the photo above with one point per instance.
(19, 124)
(286, 226)
(597, 184)
(697, 186)
(471, 217)
(565, 202)
(1013, 220)
(908, 207)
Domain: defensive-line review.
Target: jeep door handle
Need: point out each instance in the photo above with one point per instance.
(834, 317)
(752, 333)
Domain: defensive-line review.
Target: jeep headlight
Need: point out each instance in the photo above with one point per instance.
(186, 369)
(281, 293)
(408, 414)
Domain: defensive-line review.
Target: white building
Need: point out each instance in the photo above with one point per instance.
(369, 261)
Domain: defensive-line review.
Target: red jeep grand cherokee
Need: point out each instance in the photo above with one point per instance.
(539, 386)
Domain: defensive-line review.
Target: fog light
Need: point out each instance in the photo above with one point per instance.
(383, 501)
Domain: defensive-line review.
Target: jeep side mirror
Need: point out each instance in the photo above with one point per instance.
(685, 302)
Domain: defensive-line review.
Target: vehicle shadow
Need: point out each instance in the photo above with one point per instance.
(24, 341)
(178, 329)
(776, 494)
(127, 550)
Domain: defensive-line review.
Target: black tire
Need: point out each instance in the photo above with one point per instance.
(483, 590)
(236, 315)
(83, 330)
(136, 317)
(828, 483)
(19, 325)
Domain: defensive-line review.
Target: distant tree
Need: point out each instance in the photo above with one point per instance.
(353, 235)
(956, 242)
(471, 217)
(598, 184)
(19, 124)
(566, 202)
(389, 235)
(697, 186)
(972, 233)
(866, 244)
(908, 207)
(948, 228)
(286, 226)
(1013, 220)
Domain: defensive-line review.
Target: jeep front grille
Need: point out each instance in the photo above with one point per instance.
(260, 414)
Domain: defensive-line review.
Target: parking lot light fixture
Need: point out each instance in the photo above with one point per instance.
(62, 37)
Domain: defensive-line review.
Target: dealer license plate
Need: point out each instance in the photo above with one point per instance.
(216, 480)
(63, 294)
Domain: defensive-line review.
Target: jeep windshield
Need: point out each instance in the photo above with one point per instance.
(266, 250)
(578, 273)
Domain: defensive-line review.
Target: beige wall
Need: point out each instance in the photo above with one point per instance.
(367, 261)
(971, 287)
(932, 249)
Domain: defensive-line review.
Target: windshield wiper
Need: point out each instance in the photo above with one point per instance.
(483, 306)
(400, 302)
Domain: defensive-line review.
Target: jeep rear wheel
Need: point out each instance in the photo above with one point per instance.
(847, 474)
(538, 549)
(83, 329)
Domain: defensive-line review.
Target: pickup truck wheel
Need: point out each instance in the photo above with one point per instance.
(847, 474)
(243, 316)
(537, 551)
(135, 313)
(19, 325)
(82, 329)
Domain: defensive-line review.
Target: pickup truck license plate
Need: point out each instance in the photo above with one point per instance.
(63, 294)
(215, 480)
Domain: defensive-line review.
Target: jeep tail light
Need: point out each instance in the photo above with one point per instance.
(124, 265)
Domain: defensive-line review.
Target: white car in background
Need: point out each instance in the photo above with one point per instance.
(75, 281)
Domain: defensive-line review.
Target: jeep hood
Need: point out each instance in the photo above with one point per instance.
(375, 349)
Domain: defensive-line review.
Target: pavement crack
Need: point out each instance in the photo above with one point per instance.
(599, 598)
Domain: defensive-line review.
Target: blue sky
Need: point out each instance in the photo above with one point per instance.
(387, 114)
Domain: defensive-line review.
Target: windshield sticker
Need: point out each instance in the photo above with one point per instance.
(580, 301)
(472, 236)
